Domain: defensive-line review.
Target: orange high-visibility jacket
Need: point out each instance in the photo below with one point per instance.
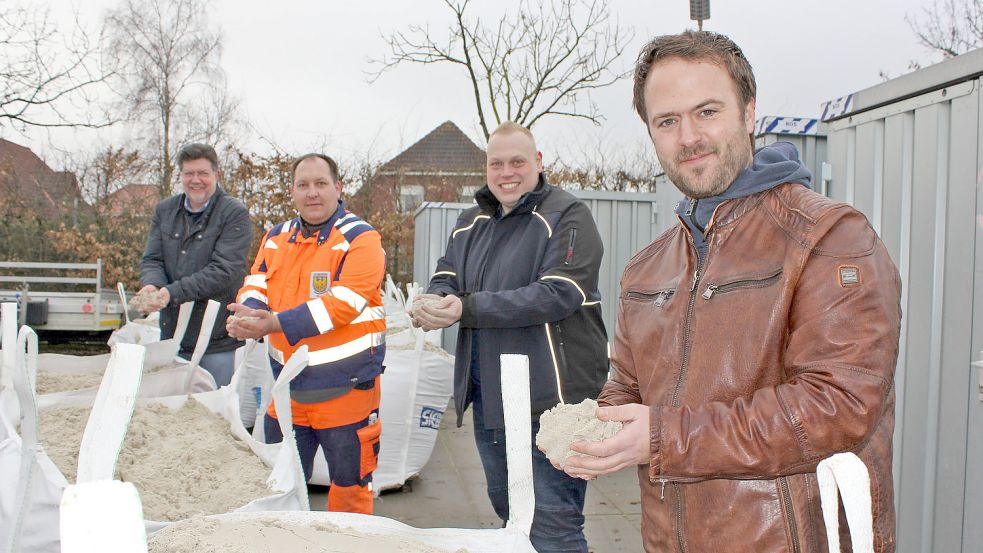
(325, 289)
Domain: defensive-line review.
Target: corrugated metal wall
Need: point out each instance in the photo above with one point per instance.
(908, 153)
(627, 222)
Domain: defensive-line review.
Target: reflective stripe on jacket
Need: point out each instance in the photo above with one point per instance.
(325, 290)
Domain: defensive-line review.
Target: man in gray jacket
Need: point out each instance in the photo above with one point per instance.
(196, 251)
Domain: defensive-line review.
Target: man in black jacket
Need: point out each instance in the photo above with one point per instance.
(520, 274)
(197, 251)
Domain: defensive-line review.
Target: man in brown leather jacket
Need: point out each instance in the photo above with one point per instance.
(754, 339)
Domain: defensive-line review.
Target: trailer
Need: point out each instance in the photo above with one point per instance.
(76, 302)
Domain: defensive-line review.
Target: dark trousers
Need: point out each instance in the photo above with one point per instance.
(558, 522)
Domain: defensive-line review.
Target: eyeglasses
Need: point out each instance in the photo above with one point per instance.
(192, 174)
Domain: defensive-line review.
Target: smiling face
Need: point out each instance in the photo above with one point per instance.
(315, 190)
(513, 167)
(698, 126)
(198, 178)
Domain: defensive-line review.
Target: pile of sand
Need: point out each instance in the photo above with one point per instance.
(184, 462)
(51, 382)
(565, 424)
(199, 535)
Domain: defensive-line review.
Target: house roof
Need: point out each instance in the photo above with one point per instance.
(445, 150)
(28, 181)
(133, 197)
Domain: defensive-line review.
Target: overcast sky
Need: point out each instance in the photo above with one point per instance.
(299, 68)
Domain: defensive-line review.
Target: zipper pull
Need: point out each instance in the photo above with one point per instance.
(662, 493)
(708, 293)
(696, 280)
(660, 300)
(692, 206)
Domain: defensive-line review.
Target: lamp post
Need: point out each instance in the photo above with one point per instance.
(699, 10)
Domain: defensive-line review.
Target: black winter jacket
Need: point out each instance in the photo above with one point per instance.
(197, 260)
(529, 282)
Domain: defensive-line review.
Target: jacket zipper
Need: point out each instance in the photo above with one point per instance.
(738, 284)
(562, 360)
(687, 330)
(573, 237)
(787, 502)
(679, 516)
(659, 297)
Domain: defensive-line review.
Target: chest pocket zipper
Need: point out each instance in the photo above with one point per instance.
(725, 287)
(658, 298)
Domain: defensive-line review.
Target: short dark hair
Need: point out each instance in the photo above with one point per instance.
(696, 46)
(332, 165)
(196, 150)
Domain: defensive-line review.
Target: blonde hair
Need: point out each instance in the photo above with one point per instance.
(511, 127)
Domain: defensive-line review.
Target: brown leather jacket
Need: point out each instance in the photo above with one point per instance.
(775, 352)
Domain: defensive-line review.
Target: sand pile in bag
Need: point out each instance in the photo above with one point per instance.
(199, 535)
(565, 424)
(184, 462)
(53, 382)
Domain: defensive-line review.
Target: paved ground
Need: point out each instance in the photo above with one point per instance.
(450, 492)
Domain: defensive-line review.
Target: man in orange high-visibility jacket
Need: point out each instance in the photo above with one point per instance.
(315, 282)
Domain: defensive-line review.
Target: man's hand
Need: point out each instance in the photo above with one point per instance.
(431, 312)
(629, 447)
(153, 298)
(250, 323)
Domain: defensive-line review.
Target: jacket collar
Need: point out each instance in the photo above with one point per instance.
(325, 231)
(489, 203)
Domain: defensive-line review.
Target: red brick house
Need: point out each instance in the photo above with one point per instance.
(29, 187)
(132, 198)
(443, 166)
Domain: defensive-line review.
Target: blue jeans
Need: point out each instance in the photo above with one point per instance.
(558, 522)
(220, 365)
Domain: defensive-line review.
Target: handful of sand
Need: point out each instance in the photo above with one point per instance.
(565, 424)
(145, 302)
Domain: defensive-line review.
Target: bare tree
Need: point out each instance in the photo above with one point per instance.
(168, 53)
(47, 76)
(950, 27)
(543, 60)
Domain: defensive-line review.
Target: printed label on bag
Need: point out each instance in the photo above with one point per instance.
(430, 418)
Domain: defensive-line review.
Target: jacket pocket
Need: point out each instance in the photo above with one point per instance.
(656, 297)
(753, 281)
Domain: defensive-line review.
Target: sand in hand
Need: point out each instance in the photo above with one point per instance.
(565, 424)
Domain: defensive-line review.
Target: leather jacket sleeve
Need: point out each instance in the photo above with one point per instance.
(839, 359)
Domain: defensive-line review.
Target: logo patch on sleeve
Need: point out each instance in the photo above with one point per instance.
(849, 276)
(320, 283)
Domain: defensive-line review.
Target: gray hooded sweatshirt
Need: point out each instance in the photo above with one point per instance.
(774, 164)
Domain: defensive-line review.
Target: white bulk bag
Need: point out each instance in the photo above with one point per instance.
(188, 378)
(288, 490)
(845, 475)
(511, 539)
(30, 484)
(416, 387)
(140, 331)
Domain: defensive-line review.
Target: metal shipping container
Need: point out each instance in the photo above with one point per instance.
(626, 221)
(908, 153)
(808, 136)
